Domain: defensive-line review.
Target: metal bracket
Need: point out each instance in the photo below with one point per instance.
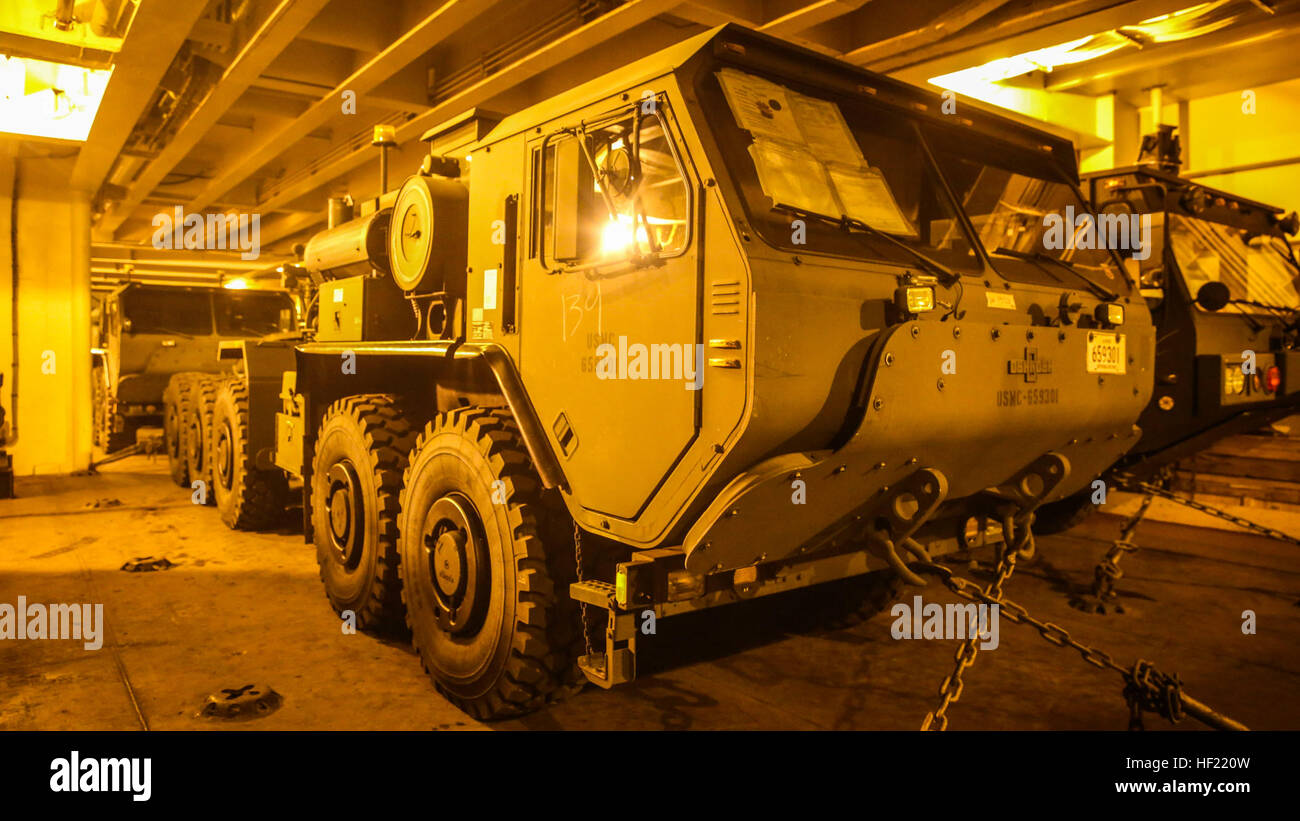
(909, 505)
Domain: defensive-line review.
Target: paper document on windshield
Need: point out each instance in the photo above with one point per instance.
(825, 131)
(761, 107)
(866, 197)
(792, 176)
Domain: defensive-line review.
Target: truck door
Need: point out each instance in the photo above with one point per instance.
(610, 347)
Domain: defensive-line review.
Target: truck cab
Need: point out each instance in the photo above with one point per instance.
(147, 333)
(1224, 289)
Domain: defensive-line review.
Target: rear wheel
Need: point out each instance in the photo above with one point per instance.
(248, 498)
(361, 451)
(198, 441)
(175, 402)
(485, 573)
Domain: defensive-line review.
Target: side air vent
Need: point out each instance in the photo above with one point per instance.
(725, 297)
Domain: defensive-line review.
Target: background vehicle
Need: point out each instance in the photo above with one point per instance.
(1224, 289)
(733, 320)
(146, 333)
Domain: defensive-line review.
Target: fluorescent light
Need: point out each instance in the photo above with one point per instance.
(236, 284)
(44, 99)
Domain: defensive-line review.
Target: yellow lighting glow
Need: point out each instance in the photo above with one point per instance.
(616, 237)
(43, 99)
(984, 82)
(236, 284)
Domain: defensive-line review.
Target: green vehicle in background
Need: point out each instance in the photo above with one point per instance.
(1223, 285)
(143, 334)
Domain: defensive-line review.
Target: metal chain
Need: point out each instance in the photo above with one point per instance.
(577, 558)
(1156, 490)
(1107, 571)
(950, 689)
(1146, 689)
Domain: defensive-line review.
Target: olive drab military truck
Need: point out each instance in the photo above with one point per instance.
(1223, 285)
(733, 320)
(146, 333)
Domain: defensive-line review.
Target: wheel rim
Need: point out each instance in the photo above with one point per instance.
(345, 513)
(225, 456)
(455, 551)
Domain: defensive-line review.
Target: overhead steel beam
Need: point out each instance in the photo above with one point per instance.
(156, 34)
(950, 22)
(718, 12)
(284, 23)
(805, 17)
(445, 21)
(1046, 24)
(589, 36)
(276, 229)
(1157, 56)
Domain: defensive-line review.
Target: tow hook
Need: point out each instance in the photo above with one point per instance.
(1024, 493)
(909, 505)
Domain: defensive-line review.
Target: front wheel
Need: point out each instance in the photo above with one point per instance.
(485, 569)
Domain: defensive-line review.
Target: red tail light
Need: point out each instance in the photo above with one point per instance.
(1273, 379)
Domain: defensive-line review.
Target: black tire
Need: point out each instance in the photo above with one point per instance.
(493, 622)
(1064, 514)
(112, 432)
(175, 406)
(198, 442)
(247, 498)
(361, 451)
(99, 398)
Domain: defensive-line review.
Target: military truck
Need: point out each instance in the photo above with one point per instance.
(733, 320)
(145, 333)
(1223, 286)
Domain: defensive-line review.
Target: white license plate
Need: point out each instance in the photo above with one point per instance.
(1106, 353)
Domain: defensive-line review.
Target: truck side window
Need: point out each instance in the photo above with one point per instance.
(614, 192)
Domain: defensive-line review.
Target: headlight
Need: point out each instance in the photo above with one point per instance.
(914, 299)
(1110, 313)
(1234, 381)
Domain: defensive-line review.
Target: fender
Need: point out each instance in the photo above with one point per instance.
(463, 368)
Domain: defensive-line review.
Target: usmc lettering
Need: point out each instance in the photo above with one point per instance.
(1031, 396)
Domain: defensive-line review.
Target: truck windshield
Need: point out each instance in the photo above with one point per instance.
(249, 313)
(1256, 267)
(1033, 223)
(797, 148)
(167, 311)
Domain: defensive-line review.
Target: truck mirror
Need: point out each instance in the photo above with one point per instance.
(576, 225)
(619, 172)
(1212, 296)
